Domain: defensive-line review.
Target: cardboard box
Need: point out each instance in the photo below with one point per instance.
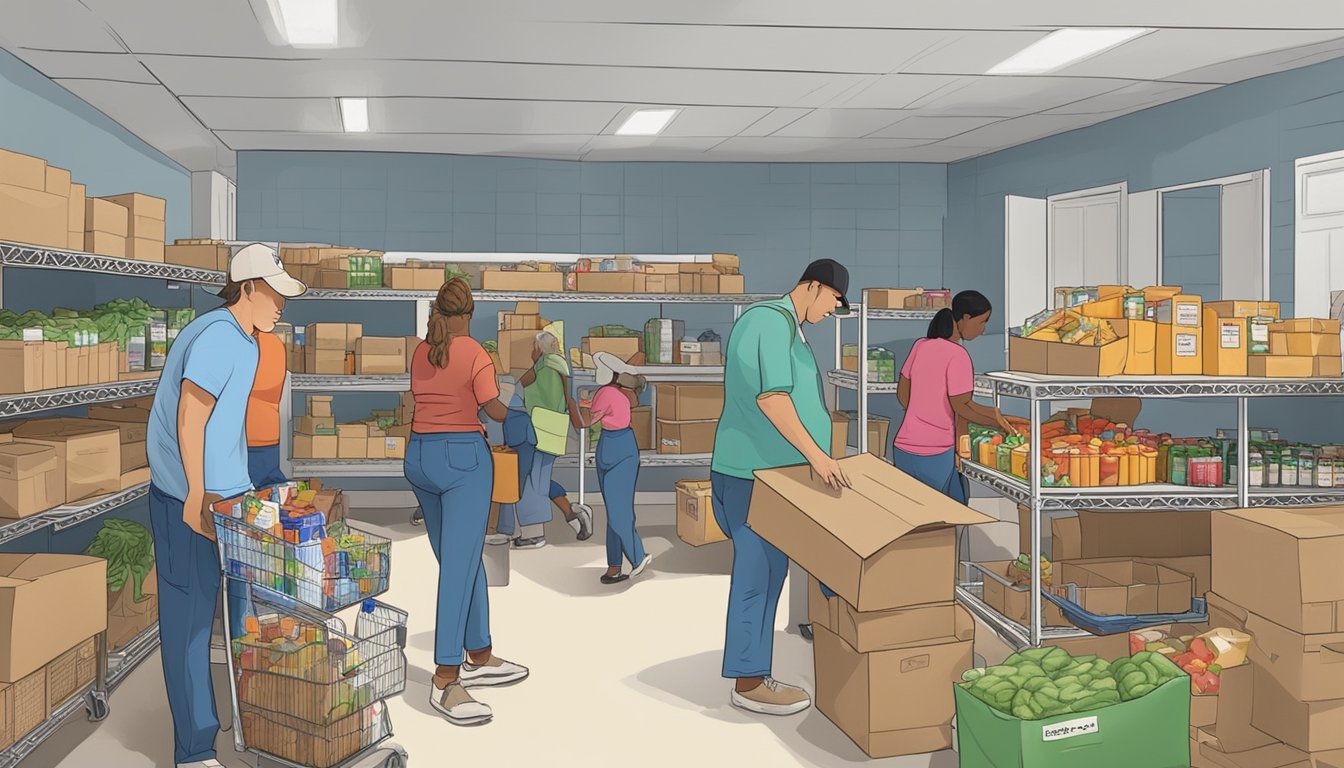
(1300, 591)
(1177, 533)
(1180, 350)
(896, 702)
(104, 244)
(133, 478)
(1308, 726)
(641, 423)
(1304, 344)
(145, 249)
(732, 284)
(380, 365)
(21, 367)
(30, 480)
(1307, 325)
(1226, 344)
(412, 278)
(315, 447)
(688, 402)
(352, 447)
(23, 171)
(33, 216)
(515, 349)
(1225, 613)
(68, 673)
(623, 347)
(145, 228)
(1198, 568)
(1124, 587)
(77, 212)
(31, 632)
(890, 298)
(1244, 309)
(1066, 539)
(315, 425)
(839, 435)
(89, 454)
(875, 543)
(501, 280)
(320, 406)
(133, 456)
(605, 282)
(213, 257)
(131, 419)
(58, 181)
(1277, 367)
(1141, 353)
(695, 514)
(686, 437)
(330, 362)
(872, 631)
(332, 336)
(509, 321)
(137, 204)
(1035, 356)
(102, 215)
(394, 447)
(1306, 666)
(1012, 601)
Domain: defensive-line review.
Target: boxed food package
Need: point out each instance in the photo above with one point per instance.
(1308, 344)
(104, 244)
(662, 341)
(1292, 367)
(332, 336)
(58, 181)
(204, 256)
(1064, 343)
(515, 349)
(33, 216)
(145, 249)
(1226, 344)
(24, 171)
(30, 702)
(695, 514)
(89, 455)
(874, 543)
(686, 437)
(30, 480)
(513, 280)
(689, 402)
(605, 282)
(623, 347)
(708, 353)
(1245, 309)
(316, 447)
(893, 702)
(375, 355)
(315, 425)
(137, 205)
(1124, 587)
(22, 368)
(1180, 351)
(31, 633)
(1003, 594)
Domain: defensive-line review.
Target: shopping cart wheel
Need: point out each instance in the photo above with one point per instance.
(97, 705)
(397, 759)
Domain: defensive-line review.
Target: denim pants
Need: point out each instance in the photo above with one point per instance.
(452, 475)
(534, 491)
(188, 580)
(617, 458)
(263, 468)
(757, 580)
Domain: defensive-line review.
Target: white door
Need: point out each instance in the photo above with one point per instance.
(1087, 234)
(1318, 267)
(1244, 261)
(1024, 260)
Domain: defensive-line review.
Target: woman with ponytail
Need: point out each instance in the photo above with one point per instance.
(449, 467)
(937, 386)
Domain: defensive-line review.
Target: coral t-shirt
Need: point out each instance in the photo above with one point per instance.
(611, 406)
(937, 369)
(449, 399)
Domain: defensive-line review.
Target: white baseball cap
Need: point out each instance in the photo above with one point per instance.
(608, 365)
(261, 262)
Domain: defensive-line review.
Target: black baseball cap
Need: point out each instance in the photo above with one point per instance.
(831, 274)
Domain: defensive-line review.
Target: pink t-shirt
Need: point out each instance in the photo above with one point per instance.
(937, 369)
(611, 406)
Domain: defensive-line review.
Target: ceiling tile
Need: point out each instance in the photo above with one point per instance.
(922, 127)
(708, 121)
(242, 114)
(459, 144)
(897, 91)
(153, 114)
(841, 123)
(1019, 130)
(1168, 53)
(773, 121)
(1012, 96)
(973, 53)
(411, 115)
(55, 25)
(1131, 98)
(61, 65)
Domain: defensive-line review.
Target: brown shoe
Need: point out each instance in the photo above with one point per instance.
(455, 704)
(772, 698)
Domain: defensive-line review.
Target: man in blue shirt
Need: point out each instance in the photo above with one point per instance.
(198, 446)
(773, 416)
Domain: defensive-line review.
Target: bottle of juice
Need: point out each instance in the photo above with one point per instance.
(1325, 471)
(1273, 467)
(1306, 468)
(1178, 472)
(1256, 464)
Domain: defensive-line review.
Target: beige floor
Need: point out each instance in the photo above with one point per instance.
(624, 676)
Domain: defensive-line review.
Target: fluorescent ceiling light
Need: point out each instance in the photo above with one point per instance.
(1062, 48)
(647, 122)
(354, 115)
(307, 23)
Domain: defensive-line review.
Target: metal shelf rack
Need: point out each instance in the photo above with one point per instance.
(67, 515)
(316, 382)
(39, 257)
(52, 399)
(1040, 390)
(560, 297)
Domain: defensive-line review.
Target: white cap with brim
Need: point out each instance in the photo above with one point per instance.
(608, 365)
(260, 262)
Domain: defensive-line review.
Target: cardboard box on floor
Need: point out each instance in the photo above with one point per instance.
(1282, 564)
(893, 702)
(1307, 667)
(1308, 726)
(888, 630)
(1124, 587)
(886, 542)
(32, 632)
(695, 514)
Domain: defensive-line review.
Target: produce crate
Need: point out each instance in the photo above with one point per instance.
(30, 703)
(302, 743)
(6, 715)
(315, 671)
(70, 672)
(1152, 731)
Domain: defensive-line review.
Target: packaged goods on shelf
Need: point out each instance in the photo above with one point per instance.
(34, 201)
(146, 228)
(847, 423)
(30, 480)
(200, 254)
(88, 455)
(695, 514)
(76, 212)
(378, 355)
(419, 278)
(662, 341)
(518, 280)
(702, 353)
(930, 299)
(892, 298)
(32, 634)
(881, 366)
(30, 705)
(849, 357)
(132, 592)
(623, 347)
(1040, 705)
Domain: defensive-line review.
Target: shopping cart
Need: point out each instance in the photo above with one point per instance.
(306, 693)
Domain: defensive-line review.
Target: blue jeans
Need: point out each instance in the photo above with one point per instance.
(939, 472)
(758, 575)
(452, 475)
(534, 485)
(617, 458)
(188, 580)
(557, 490)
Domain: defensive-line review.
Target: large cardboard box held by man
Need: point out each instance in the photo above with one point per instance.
(48, 605)
(886, 542)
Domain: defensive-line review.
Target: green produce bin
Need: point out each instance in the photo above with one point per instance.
(1148, 732)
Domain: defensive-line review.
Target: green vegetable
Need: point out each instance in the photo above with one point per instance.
(128, 549)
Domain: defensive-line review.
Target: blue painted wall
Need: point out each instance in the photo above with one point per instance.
(1264, 123)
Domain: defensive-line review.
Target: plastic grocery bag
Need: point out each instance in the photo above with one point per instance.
(505, 490)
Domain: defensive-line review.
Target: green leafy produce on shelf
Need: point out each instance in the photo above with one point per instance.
(128, 549)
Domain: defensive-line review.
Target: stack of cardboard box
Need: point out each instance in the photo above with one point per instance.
(329, 348)
(688, 415)
(1277, 570)
(892, 642)
(334, 266)
(414, 276)
(518, 336)
(35, 202)
(47, 653)
(540, 277)
(132, 422)
(200, 254)
(106, 226)
(146, 218)
(315, 434)
(362, 440)
(1300, 348)
(1235, 334)
(380, 355)
(34, 366)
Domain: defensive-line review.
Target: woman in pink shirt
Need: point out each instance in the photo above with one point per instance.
(937, 384)
(617, 459)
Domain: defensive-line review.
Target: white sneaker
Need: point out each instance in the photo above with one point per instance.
(643, 565)
(582, 522)
(211, 763)
(496, 671)
(772, 698)
(457, 706)
(496, 539)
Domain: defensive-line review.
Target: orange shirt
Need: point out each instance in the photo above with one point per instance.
(263, 404)
(448, 399)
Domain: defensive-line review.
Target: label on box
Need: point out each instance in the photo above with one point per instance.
(1260, 333)
(1187, 345)
(1187, 314)
(33, 334)
(1231, 336)
(1068, 729)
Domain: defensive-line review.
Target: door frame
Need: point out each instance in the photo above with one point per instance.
(1122, 248)
(1265, 203)
(1299, 200)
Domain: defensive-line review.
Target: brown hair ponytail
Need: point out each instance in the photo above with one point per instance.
(454, 300)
